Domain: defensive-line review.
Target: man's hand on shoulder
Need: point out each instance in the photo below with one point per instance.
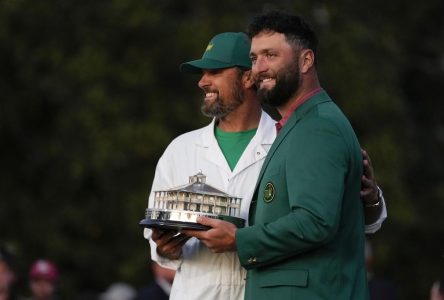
(369, 188)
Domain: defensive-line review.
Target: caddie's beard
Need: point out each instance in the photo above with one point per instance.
(218, 109)
(287, 83)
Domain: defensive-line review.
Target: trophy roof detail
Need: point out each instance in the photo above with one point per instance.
(197, 185)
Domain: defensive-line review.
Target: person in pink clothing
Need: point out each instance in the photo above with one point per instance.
(43, 278)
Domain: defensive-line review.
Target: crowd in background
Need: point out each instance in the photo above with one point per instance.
(43, 278)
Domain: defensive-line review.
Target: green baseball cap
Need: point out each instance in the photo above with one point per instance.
(225, 50)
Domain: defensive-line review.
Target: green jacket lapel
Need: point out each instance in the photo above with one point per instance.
(297, 115)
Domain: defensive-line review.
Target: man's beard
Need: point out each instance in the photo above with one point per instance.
(287, 83)
(218, 109)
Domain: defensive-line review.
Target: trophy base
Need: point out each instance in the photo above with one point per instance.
(177, 220)
(172, 225)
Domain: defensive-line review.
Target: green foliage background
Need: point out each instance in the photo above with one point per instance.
(90, 95)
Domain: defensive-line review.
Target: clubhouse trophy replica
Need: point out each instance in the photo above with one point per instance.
(179, 207)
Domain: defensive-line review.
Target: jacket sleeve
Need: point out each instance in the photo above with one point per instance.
(316, 166)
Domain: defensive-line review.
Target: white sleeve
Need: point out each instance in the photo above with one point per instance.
(162, 261)
(372, 228)
(162, 180)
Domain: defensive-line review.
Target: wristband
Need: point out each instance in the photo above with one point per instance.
(377, 203)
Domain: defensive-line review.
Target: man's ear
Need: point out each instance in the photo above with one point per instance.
(307, 60)
(247, 79)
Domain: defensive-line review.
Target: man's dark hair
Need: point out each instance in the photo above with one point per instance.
(295, 28)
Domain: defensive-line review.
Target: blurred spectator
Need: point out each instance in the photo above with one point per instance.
(7, 275)
(43, 277)
(379, 288)
(437, 291)
(160, 288)
(119, 291)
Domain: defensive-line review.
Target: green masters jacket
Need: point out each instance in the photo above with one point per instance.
(306, 234)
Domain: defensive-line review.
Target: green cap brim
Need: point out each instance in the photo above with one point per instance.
(196, 66)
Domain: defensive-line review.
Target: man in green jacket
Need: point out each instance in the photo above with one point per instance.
(306, 233)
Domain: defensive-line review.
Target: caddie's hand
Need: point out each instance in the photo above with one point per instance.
(169, 242)
(369, 188)
(221, 237)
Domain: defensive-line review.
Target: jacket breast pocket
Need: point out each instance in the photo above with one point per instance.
(284, 277)
(272, 200)
(273, 181)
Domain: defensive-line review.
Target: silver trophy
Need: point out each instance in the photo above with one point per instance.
(179, 207)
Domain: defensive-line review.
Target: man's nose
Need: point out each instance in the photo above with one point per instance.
(260, 65)
(204, 80)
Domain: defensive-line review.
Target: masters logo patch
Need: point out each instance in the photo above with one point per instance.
(269, 192)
